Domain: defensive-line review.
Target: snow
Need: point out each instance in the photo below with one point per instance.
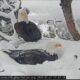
(67, 65)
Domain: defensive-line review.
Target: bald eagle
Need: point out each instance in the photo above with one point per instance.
(26, 29)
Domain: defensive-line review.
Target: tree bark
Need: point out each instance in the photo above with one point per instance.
(67, 11)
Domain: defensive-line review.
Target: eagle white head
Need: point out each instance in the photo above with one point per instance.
(55, 47)
(23, 15)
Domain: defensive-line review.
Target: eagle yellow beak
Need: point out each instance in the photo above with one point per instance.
(58, 45)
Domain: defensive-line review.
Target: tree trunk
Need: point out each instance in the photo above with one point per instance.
(67, 11)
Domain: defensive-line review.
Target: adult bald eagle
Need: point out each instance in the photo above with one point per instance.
(26, 29)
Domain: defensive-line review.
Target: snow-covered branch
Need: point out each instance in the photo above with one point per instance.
(5, 3)
(12, 6)
(17, 5)
(8, 38)
(4, 14)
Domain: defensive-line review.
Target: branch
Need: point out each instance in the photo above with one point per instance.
(12, 17)
(8, 38)
(17, 5)
(5, 3)
(4, 14)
